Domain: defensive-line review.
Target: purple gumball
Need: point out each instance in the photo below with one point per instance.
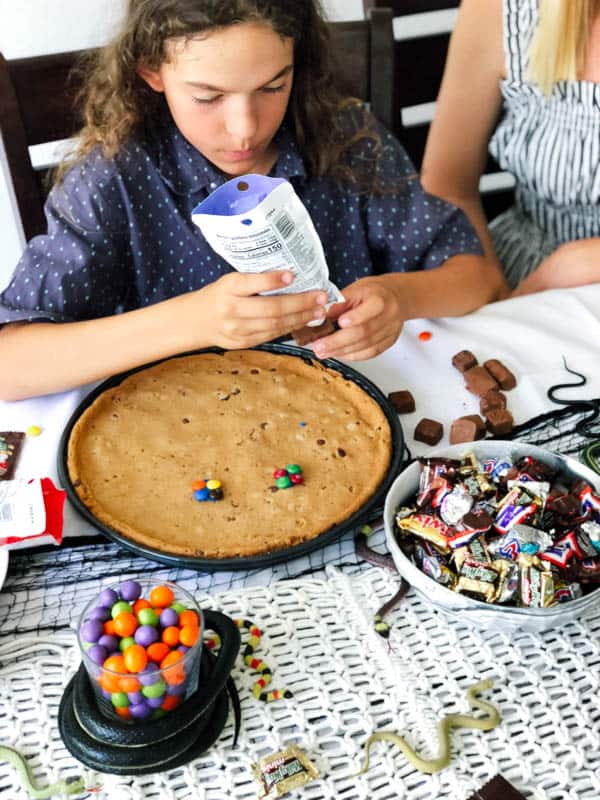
(130, 591)
(155, 702)
(110, 642)
(140, 710)
(183, 648)
(135, 698)
(169, 617)
(107, 598)
(177, 691)
(106, 695)
(100, 613)
(146, 635)
(97, 654)
(149, 675)
(91, 630)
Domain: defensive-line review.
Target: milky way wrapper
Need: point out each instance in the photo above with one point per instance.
(10, 447)
(259, 224)
(282, 772)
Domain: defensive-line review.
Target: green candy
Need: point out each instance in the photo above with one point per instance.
(283, 483)
(156, 690)
(119, 699)
(178, 607)
(147, 616)
(125, 643)
(119, 608)
(294, 469)
(158, 713)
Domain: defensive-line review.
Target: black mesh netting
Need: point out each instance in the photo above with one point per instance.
(46, 590)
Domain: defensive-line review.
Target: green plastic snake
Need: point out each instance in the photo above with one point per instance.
(71, 785)
(431, 765)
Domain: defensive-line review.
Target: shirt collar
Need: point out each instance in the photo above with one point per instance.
(187, 171)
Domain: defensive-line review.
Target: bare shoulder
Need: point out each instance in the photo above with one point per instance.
(478, 34)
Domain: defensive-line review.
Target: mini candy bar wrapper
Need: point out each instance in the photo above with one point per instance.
(259, 224)
(282, 772)
(30, 509)
(10, 447)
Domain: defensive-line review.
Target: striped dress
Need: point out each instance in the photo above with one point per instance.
(552, 147)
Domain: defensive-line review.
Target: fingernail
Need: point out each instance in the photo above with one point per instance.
(344, 322)
(321, 299)
(287, 278)
(319, 351)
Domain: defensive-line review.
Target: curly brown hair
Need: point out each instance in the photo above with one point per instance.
(117, 103)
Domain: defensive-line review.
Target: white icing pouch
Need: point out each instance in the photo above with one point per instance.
(259, 224)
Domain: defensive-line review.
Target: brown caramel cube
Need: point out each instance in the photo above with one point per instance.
(467, 429)
(479, 381)
(503, 375)
(403, 401)
(429, 431)
(500, 421)
(310, 333)
(492, 399)
(464, 360)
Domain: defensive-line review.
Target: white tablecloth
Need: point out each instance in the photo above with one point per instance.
(531, 335)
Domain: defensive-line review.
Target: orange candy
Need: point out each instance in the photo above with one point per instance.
(139, 604)
(197, 485)
(161, 596)
(188, 635)
(135, 658)
(109, 627)
(115, 664)
(171, 701)
(110, 683)
(188, 619)
(129, 685)
(173, 673)
(157, 651)
(125, 624)
(125, 713)
(170, 636)
(425, 336)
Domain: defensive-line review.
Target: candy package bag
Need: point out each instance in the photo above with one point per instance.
(259, 224)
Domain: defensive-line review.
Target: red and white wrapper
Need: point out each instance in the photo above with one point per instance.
(30, 509)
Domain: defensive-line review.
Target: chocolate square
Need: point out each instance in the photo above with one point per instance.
(479, 381)
(497, 789)
(429, 431)
(310, 333)
(464, 360)
(492, 399)
(467, 429)
(500, 421)
(403, 401)
(503, 375)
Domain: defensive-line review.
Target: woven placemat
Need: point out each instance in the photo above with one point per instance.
(347, 683)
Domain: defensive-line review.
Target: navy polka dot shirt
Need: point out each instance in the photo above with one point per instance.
(120, 234)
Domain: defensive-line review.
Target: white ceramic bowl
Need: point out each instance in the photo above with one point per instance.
(461, 607)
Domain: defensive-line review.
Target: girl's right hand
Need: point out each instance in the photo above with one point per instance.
(234, 315)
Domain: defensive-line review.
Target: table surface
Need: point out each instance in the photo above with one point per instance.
(533, 336)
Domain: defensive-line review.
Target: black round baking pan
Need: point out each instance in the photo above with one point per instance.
(368, 512)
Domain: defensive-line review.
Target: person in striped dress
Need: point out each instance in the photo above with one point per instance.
(537, 63)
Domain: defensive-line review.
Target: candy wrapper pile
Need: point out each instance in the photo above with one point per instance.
(517, 534)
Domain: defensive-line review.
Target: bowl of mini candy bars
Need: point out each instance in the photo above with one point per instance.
(504, 535)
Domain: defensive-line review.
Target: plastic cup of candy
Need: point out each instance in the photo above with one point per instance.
(462, 607)
(141, 644)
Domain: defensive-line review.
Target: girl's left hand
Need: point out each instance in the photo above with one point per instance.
(370, 321)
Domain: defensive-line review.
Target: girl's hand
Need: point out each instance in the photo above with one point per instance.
(233, 316)
(371, 319)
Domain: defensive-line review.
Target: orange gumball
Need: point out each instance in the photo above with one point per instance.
(115, 664)
(197, 485)
(109, 627)
(110, 683)
(139, 604)
(125, 713)
(173, 672)
(188, 635)
(171, 701)
(135, 658)
(129, 685)
(188, 618)
(157, 651)
(161, 596)
(170, 636)
(125, 624)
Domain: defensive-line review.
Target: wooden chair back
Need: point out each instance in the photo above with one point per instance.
(422, 32)
(37, 94)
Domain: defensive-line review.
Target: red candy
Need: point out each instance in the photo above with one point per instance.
(425, 336)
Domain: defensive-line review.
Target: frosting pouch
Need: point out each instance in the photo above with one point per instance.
(259, 224)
